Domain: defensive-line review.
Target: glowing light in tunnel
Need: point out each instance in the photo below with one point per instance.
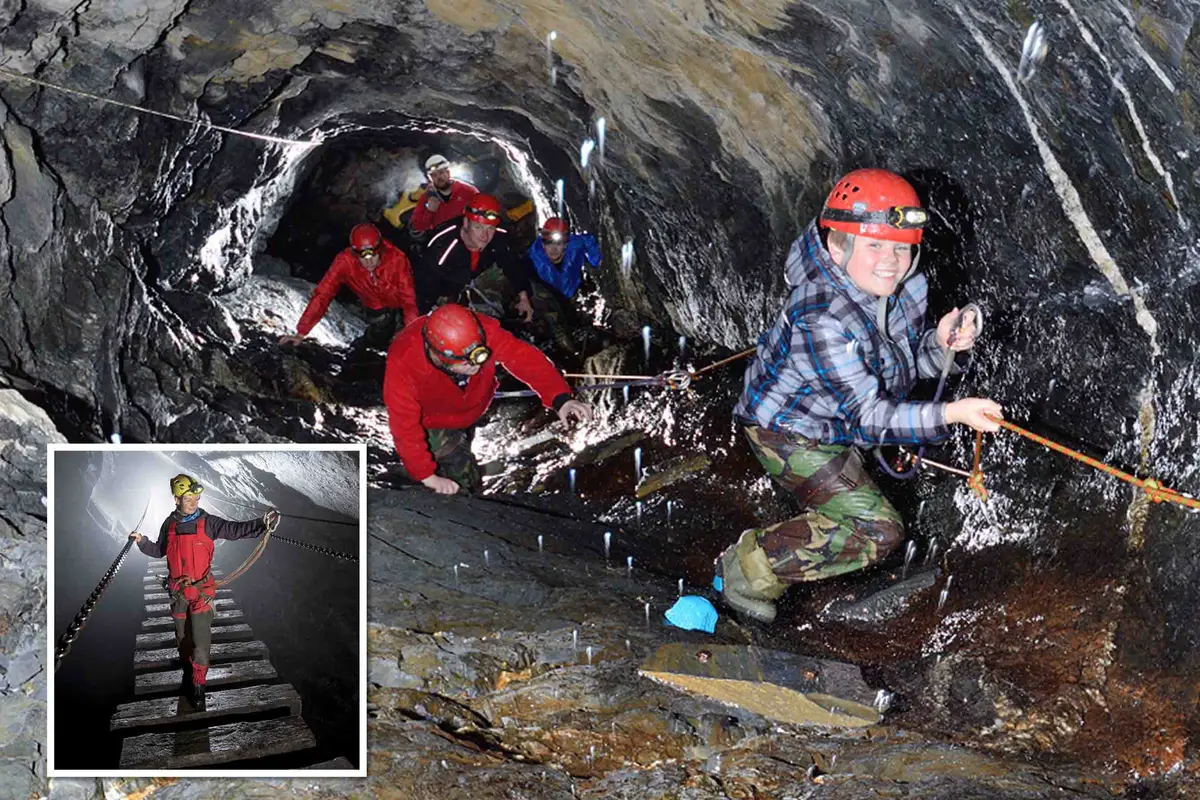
(558, 195)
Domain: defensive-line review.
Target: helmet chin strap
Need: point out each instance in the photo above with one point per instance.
(881, 305)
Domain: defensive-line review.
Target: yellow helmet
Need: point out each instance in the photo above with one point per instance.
(185, 484)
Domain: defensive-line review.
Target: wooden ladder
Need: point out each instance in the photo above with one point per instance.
(164, 731)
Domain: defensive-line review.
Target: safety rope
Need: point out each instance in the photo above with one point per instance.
(677, 380)
(271, 524)
(317, 548)
(1153, 489)
(189, 120)
(289, 516)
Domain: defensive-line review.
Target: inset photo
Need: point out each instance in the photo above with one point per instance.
(207, 610)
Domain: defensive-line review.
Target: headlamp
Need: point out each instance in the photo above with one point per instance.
(366, 252)
(486, 215)
(901, 217)
(553, 237)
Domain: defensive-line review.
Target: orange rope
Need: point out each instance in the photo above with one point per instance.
(723, 362)
(1153, 489)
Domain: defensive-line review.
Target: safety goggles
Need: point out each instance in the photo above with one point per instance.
(486, 216)
(900, 217)
(476, 355)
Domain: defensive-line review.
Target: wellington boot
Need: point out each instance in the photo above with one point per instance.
(755, 599)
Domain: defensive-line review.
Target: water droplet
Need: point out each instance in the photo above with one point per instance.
(607, 544)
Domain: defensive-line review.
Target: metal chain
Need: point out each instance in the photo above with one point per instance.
(67, 639)
(322, 550)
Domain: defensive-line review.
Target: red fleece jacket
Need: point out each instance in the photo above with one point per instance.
(421, 397)
(460, 194)
(390, 286)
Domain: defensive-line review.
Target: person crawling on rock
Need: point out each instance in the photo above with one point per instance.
(440, 380)
(186, 539)
(473, 255)
(379, 273)
(445, 198)
(556, 258)
(832, 375)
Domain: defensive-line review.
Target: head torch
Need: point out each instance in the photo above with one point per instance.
(486, 216)
(367, 252)
(900, 217)
(553, 237)
(477, 355)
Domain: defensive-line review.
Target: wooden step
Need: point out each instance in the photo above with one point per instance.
(341, 762)
(220, 633)
(159, 608)
(221, 744)
(222, 653)
(169, 621)
(155, 597)
(218, 675)
(170, 710)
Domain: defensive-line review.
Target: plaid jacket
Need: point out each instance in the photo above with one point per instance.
(824, 372)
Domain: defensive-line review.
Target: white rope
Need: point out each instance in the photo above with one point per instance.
(190, 121)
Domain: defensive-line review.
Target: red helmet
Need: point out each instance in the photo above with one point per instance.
(454, 333)
(365, 237)
(555, 230)
(875, 203)
(484, 209)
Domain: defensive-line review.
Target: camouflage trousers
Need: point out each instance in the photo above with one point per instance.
(850, 525)
(451, 450)
(554, 316)
(490, 292)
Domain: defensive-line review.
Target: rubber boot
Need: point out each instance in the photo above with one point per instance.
(199, 674)
(748, 584)
(198, 699)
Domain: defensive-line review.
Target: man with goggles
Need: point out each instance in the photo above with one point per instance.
(445, 198)
(440, 380)
(186, 539)
(557, 257)
(379, 273)
(473, 255)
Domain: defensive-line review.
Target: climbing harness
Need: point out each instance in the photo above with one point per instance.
(907, 465)
(189, 120)
(72, 633)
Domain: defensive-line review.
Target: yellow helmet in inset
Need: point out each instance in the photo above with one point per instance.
(185, 484)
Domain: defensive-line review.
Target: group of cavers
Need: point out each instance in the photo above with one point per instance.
(831, 376)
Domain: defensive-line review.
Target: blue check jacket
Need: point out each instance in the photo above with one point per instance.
(825, 372)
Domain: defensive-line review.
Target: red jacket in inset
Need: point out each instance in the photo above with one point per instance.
(188, 546)
(421, 397)
(460, 195)
(390, 285)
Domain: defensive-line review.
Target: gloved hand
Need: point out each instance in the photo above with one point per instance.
(271, 520)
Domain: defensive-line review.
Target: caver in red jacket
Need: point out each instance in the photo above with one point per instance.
(389, 286)
(460, 195)
(421, 397)
(187, 542)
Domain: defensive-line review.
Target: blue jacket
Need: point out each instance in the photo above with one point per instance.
(566, 276)
(826, 373)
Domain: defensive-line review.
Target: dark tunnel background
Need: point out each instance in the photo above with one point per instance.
(304, 605)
